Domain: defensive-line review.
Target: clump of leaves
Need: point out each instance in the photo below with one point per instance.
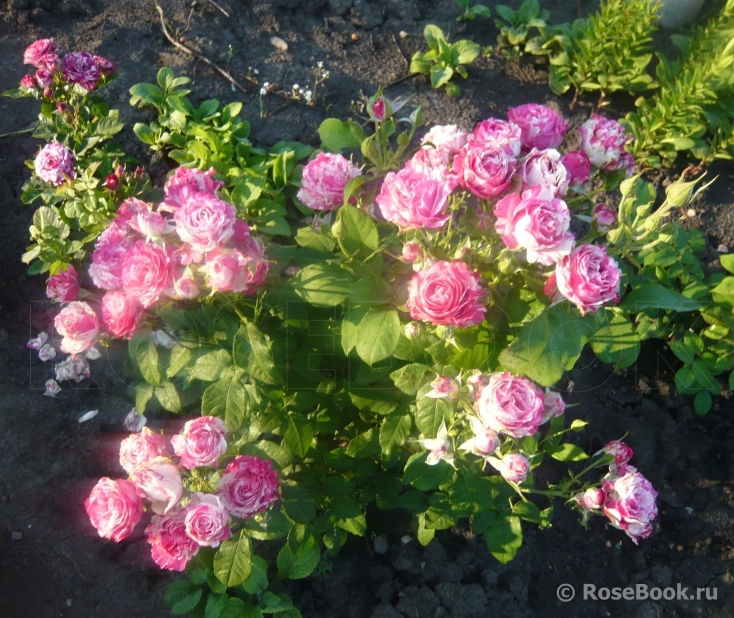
(694, 109)
(607, 52)
(443, 60)
(472, 10)
(515, 26)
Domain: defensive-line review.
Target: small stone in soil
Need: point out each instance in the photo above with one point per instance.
(381, 545)
(17, 536)
(279, 43)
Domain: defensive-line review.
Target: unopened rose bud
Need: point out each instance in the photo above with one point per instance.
(139, 171)
(379, 108)
(28, 82)
(61, 106)
(48, 93)
(111, 182)
(412, 252)
(119, 171)
(605, 217)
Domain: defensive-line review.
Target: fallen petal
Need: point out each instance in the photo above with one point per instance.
(88, 416)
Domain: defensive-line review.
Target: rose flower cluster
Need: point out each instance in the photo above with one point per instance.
(78, 67)
(192, 243)
(626, 497)
(180, 525)
(513, 176)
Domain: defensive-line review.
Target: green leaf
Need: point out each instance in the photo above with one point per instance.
(394, 431)
(144, 133)
(355, 231)
(167, 396)
(433, 34)
(226, 399)
(350, 325)
(548, 345)
(252, 351)
(209, 366)
(338, 135)
(233, 560)
(258, 580)
(299, 564)
(182, 596)
(440, 76)
(527, 511)
(322, 285)
(655, 296)
(702, 402)
(466, 51)
(504, 537)
(567, 452)
(365, 445)
(143, 394)
(298, 503)
(727, 261)
(424, 477)
(347, 515)
(146, 93)
(410, 377)
(617, 341)
(143, 351)
(378, 334)
(298, 435)
(430, 413)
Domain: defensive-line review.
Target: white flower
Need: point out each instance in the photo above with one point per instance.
(440, 447)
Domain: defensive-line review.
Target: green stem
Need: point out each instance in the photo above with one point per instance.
(28, 130)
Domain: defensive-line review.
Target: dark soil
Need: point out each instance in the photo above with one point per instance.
(51, 561)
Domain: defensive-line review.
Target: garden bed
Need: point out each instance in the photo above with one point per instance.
(54, 563)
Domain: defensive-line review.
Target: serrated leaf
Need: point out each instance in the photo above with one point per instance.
(252, 352)
(394, 431)
(167, 396)
(410, 377)
(322, 285)
(298, 435)
(567, 452)
(504, 537)
(297, 565)
(298, 503)
(233, 560)
(226, 399)
(378, 334)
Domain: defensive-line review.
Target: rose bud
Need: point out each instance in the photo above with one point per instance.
(513, 467)
(111, 182)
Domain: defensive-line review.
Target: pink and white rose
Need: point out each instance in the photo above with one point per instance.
(185, 180)
(544, 168)
(410, 199)
(540, 126)
(114, 508)
(160, 481)
(41, 53)
(578, 166)
(443, 388)
(140, 448)
(63, 287)
(204, 221)
(249, 486)
(485, 441)
(447, 293)
(108, 257)
(553, 405)
(630, 504)
(592, 499)
(201, 443)
(54, 164)
(476, 382)
(324, 180)
(604, 140)
(171, 546)
(412, 252)
(620, 451)
(605, 217)
(445, 138)
(81, 68)
(431, 163)
(499, 134)
(537, 222)
(512, 405)
(588, 277)
(207, 521)
(78, 324)
(483, 169)
(28, 82)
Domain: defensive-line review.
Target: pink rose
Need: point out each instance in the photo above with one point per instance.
(241, 233)
(108, 257)
(63, 287)
(511, 404)
(605, 217)
(54, 164)
(447, 293)
(185, 288)
(553, 405)
(604, 140)
(222, 269)
(588, 277)
(140, 448)
(160, 481)
(411, 252)
(540, 126)
(185, 180)
(445, 138)
(201, 443)
(28, 82)
(410, 199)
(145, 272)
(45, 77)
(171, 547)
(485, 440)
(80, 68)
(36, 53)
(204, 221)
(443, 388)
(121, 313)
(476, 383)
(324, 180)
(253, 266)
(537, 222)
(513, 467)
(499, 134)
(248, 486)
(630, 504)
(128, 212)
(592, 499)
(578, 166)
(149, 224)
(207, 521)
(544, 168)
(431, 163)
(106, 66)
(114, 508)
(483, 169)
(78, 324)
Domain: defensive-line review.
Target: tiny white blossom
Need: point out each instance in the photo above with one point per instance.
(440, 447)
